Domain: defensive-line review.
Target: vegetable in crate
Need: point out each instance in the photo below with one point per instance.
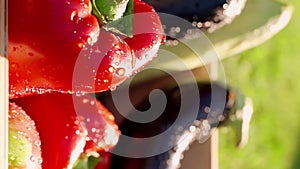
(48, 39)
(64, 129)
(218, 104)
(204, 14)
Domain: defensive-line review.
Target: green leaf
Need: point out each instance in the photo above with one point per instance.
(123, 25)
(87, 162)
(129, 8)
(109, 10)
(115, 15)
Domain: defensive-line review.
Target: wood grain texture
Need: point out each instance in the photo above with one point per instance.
(202, 155)
(3, 88)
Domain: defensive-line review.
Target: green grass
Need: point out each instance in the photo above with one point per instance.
(269, 74)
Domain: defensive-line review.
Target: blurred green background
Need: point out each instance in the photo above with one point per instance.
(269, 75)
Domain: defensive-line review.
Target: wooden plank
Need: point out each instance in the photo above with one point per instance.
(3, 113)
(3, 89)
(202, 155)
(214, 140)
(214, 147)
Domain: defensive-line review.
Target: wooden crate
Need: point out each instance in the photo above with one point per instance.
(204, 155)
(3, 88)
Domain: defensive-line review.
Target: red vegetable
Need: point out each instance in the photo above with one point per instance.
(46, 38)
(148, 33)
(64, 123)
(58, 48)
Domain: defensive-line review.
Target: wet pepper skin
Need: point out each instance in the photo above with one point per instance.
(45, 38)
(52, 41)
(65, 129)
(48, 39)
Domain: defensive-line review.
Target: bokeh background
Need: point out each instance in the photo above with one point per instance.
(269, 74)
